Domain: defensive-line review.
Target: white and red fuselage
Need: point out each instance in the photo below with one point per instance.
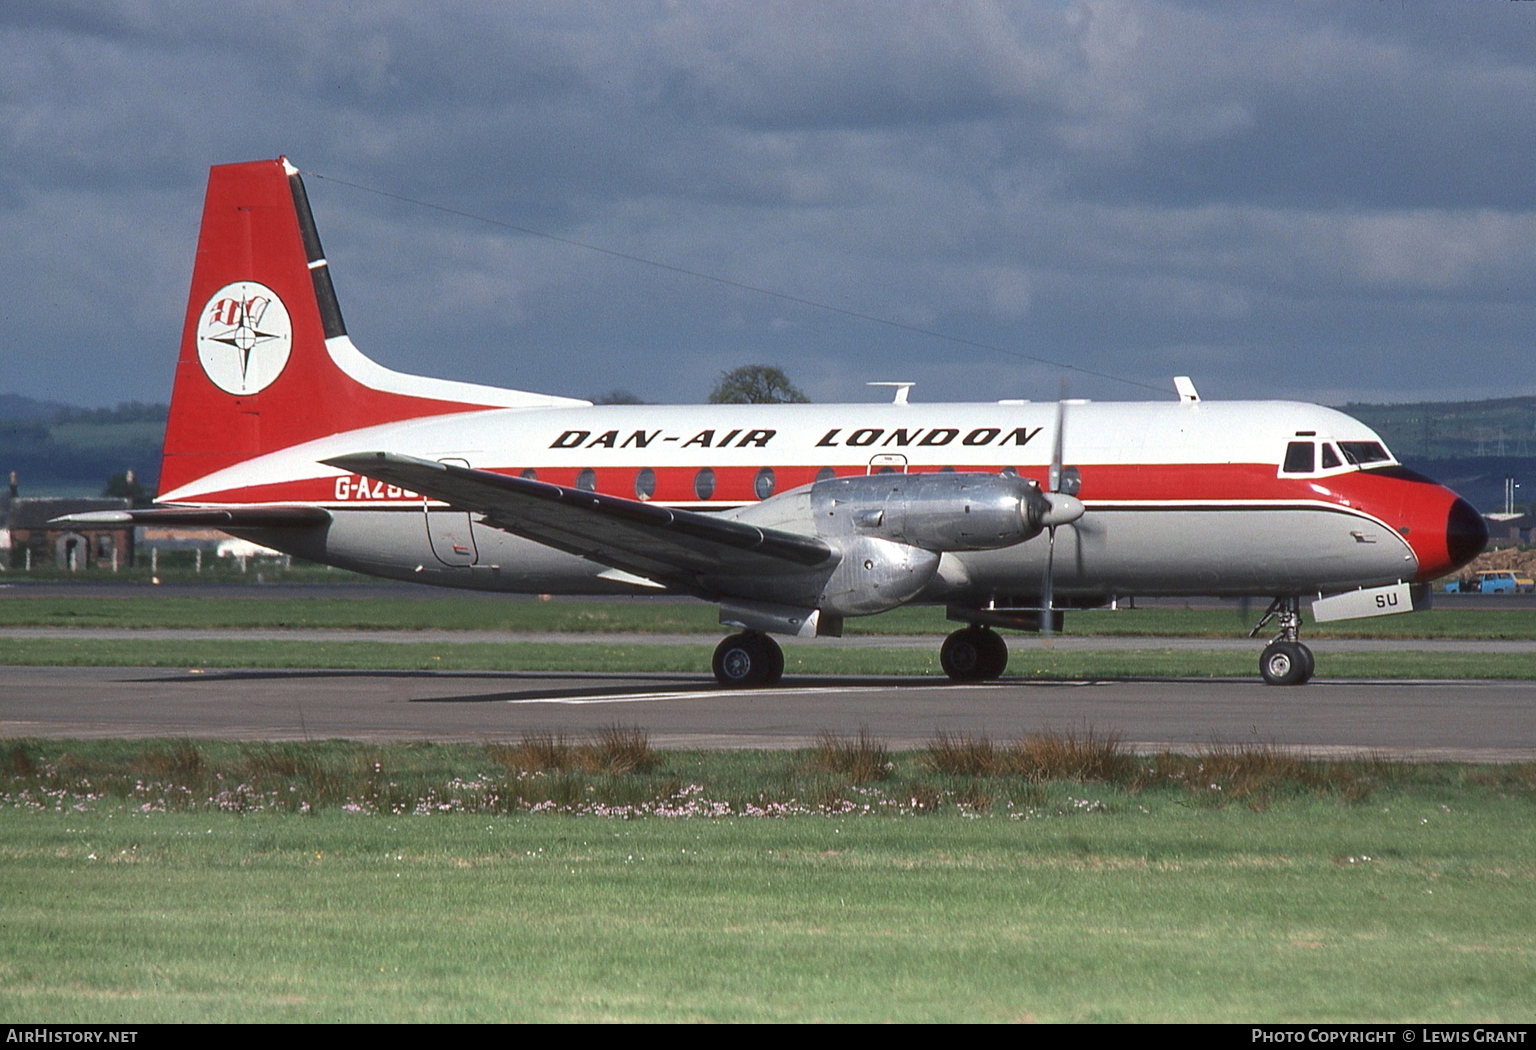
(1182, 497)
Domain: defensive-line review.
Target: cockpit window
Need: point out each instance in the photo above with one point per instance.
(1298, 458)
(1330, 457)
(1363, 452)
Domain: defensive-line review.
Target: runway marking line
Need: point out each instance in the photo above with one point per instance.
(634, 698)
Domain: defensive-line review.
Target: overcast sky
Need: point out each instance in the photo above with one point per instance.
(1325, 201)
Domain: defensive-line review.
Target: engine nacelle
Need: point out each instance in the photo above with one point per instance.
(937, 512)
(889, 532)
(875, 575)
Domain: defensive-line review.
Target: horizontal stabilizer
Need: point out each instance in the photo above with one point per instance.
(256, 517)
(658, 543)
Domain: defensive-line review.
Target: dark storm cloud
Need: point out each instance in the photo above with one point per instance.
(1308, 200)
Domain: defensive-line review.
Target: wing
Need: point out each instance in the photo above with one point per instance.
(675, 547)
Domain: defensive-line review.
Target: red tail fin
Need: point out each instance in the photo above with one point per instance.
(265, 360)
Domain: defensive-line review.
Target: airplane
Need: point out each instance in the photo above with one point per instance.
(790, 517)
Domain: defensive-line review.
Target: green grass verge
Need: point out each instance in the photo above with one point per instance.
(672, 617)
(695, 659)
(1055, 900)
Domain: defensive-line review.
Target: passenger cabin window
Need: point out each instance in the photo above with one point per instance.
(762, 485)
(1298, 458)
(1330, 457)
(645, 483)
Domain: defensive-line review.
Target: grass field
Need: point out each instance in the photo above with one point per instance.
(596, 656)
(961, 883)
(671, 617)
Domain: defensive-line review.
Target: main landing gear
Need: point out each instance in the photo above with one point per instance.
(974, 654)
(1285, 661)
(748, 659)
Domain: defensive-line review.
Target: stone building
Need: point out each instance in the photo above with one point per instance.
(26, 528)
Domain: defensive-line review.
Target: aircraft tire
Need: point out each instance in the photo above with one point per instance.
(974, 654)
(1286, 663)
(748, 659)
(1311, 662)
(775, 669)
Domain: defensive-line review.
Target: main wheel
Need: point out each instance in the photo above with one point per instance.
(974, 654)
(748, 659)
(1286, 663)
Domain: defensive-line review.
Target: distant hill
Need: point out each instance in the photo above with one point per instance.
(14, 406)
(1432, 430)
(60, 450)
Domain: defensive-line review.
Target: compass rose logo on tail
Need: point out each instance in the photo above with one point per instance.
(244, 337)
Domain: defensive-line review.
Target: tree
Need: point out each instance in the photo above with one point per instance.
(125, 486)
(755, 385)
(616, 397)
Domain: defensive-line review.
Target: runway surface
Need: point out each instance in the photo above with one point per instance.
(1459, 720)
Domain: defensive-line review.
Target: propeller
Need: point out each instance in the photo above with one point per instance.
(1065, 508)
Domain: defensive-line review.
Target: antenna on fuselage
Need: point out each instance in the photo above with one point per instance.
(902, 390)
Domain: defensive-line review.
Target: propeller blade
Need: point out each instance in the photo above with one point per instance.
(1062, 511)
(1053, 479)
(1047, 589)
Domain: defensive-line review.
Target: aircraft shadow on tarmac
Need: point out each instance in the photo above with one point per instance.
(680, 688)
(584, 684)
(597, 686)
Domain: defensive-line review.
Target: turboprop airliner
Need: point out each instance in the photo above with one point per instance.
(791, 518)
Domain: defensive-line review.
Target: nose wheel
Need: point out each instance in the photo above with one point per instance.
(974, 654)
(1285, 661)
(748, 659)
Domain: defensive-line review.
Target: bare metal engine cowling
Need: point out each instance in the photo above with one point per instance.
(892, 529)
(937, 512)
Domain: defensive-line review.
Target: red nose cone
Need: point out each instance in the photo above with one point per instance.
(1466, 534)
(1446, 537)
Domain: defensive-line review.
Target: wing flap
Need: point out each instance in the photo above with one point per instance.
(641, 538)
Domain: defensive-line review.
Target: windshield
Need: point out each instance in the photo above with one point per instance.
(1362, 452)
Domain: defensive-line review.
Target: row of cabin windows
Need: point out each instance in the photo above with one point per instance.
(704, 480)
(1301, 457)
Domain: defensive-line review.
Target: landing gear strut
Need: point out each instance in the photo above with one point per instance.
(1285, 661)
(974, 654)
(748, 659)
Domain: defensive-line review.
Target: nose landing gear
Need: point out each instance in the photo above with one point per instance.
(1285, 661)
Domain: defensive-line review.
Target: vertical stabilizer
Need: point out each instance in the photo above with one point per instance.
(265, 359)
